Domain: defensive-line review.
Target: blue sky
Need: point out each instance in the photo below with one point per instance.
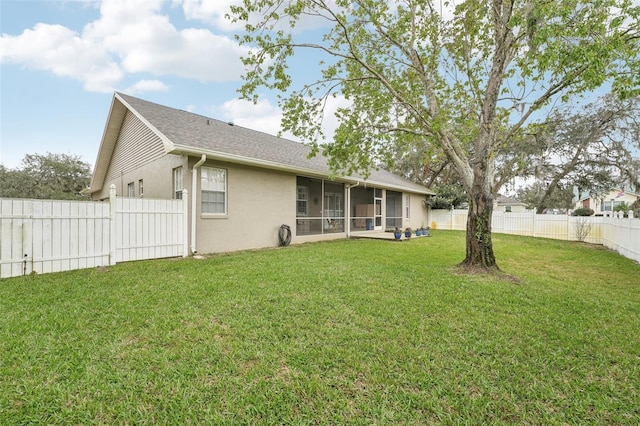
(61, 61)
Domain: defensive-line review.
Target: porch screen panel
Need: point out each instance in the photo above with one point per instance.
(394, 210)
(333, 214)
(362, 208)
(319, 207)
(309, 212)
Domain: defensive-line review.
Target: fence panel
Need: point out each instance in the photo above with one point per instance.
(517, 223)
(621, 235)
(44, 236)
(551, 226)
(149, 229)
(50, 236)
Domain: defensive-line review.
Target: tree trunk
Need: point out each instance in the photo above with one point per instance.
(480, 254)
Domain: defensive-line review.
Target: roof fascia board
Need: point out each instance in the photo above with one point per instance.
(107, 144)
(238, 159)
(247, 161)
(110, 136)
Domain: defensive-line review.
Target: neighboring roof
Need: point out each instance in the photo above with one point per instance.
(187, 133)
(504, 200)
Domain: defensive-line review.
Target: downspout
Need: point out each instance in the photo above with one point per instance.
(348, 208)
(194, 199)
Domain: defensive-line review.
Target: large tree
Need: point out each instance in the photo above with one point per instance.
(592, 148)
(465, 79)
(46, 176)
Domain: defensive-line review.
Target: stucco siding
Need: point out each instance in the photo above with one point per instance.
(418, 211)
(157, 177)
(259, 201)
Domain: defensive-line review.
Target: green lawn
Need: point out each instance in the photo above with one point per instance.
(344, 332)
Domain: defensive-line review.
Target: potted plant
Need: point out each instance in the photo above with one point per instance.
(407, 232)
(418, 232)
(397, 234)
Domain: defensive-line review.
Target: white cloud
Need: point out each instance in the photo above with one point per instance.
(63, 52)
(144, 86)
(262, 116)
(129, 37)
(147, 41)
(210, 11)
(330, 122)
(266, 117)
(213, 12)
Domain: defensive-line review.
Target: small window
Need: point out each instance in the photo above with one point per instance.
(141, 188)
(131, 190)
(177, 183)
(302, 199)
(507, 209)
(407, 207)
(214, 190)
(608, 206)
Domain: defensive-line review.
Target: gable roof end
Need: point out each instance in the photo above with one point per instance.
(187, 133)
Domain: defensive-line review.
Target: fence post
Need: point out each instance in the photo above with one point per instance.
(452, 227)
(112, 224)
(185, 223)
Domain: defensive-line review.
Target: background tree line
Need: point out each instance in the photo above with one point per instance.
(48, 176)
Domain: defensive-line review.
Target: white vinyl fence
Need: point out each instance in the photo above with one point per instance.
(623, 236)
(617, 233)
(41, 236)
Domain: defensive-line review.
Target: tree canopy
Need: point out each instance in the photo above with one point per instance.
(464, 78)
(49, 176)
(592, 148)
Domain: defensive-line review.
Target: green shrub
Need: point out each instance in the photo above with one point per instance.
(624, 208)
(583, 211)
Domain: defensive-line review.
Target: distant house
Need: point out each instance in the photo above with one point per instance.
(243, 184)
(506, 204)
(606, 203)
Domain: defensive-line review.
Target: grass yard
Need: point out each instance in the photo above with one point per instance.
(343, 332)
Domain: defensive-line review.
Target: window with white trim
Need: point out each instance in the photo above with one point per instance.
(131, 189)
(141, 188)
(333, 207)
(213, 186)
(407, 206)
(608, 206)
(177, 183)
(302, 201)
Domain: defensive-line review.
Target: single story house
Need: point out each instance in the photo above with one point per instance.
(607, 202)
(243, 184)
(506, 204)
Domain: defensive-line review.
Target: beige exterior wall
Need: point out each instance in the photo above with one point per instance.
(418, 212)
(259, 201)
(157, 178)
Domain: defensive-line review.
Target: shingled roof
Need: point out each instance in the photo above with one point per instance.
(187, 133)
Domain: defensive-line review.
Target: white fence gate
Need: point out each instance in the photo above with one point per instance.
(44, 236)
(617, 233)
